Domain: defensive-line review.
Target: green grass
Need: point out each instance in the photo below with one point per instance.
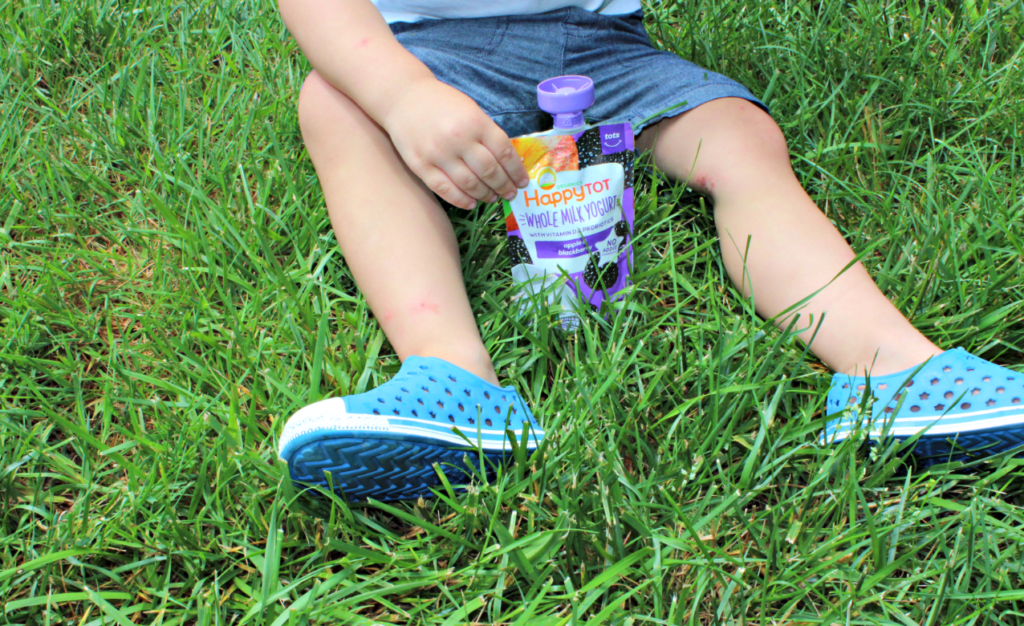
(170, 292)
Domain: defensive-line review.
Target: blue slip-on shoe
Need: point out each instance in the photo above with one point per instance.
(383, 444)
(964, 405)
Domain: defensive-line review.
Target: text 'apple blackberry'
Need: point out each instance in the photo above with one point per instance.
(570, 230)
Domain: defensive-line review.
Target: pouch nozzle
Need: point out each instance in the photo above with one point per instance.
(566, 98)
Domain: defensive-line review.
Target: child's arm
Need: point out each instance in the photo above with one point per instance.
(443, 136)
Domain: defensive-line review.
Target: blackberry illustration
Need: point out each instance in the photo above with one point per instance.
(625, 159)
(622, 230)
(600, 277)
(588, 146)
(590, 276)
(518, 252)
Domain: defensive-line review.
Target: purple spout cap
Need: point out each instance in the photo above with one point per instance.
(566, 98)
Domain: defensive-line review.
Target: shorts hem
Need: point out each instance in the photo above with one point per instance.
(694, 98)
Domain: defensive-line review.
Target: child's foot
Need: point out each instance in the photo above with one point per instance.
(383, 444)
(963, 403)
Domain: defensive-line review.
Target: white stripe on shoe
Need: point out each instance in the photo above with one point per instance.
(935, 427)
(331, 415)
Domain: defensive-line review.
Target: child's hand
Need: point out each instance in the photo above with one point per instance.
(442, 135)
(451, 144)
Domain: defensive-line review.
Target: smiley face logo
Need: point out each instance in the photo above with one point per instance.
(546, 179)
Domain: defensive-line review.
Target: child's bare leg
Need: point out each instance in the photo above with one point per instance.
(396, 239)
(743, 165)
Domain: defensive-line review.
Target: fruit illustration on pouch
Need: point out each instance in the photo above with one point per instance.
(622, 230)
(511, 224)
(625, 159)
(591, 153)
(589, 147)
(555, 151)
(518, 252)
(598, 276)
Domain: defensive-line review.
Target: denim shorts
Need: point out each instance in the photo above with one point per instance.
(498, 62)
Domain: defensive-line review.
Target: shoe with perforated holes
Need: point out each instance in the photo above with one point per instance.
(383, 444)
(966, 406)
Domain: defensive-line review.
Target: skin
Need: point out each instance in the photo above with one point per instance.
(735, 154)
(383, 134)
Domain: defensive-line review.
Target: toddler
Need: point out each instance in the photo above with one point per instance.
(411, 100)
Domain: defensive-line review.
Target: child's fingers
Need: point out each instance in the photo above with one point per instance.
(486, 167)
(467, 180)
(499, 145)
(439, 182)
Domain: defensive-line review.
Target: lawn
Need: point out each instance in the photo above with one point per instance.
(170, 292)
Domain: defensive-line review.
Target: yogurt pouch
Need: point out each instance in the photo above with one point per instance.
(570, 231)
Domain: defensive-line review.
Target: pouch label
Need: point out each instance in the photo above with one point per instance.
(570, 231)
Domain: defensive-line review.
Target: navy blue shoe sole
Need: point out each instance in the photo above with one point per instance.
(384, 469)
(965, 447)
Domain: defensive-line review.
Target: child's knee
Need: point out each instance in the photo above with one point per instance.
(720, 145)
(765, 134)
(746, 136)
(739, 142)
